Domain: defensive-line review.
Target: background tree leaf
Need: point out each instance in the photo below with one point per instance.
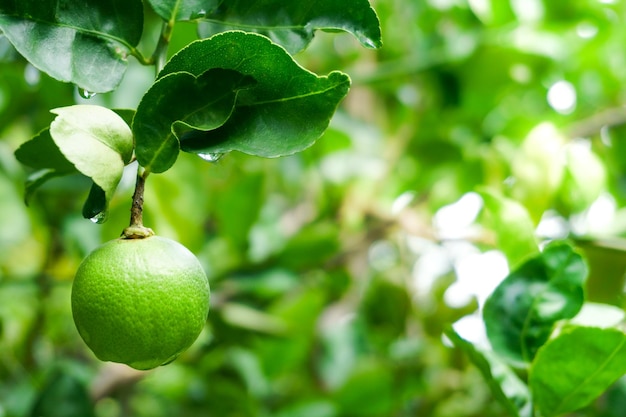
(97, 141)
(285, 112)
(63, 395)
(521, 312)
(162, 116)
(82, 42)
(290, 23)
(515, 232)
(573, 369)
(504, 383)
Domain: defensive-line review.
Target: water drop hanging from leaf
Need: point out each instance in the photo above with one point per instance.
(211, 157)
(85, 93)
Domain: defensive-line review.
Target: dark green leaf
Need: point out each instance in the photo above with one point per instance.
(63, 395)
(44, 155)
(292, 24)
(38, 178)
(96, 204)
(573, 369)
(83, 42)
(171, 10)
(97, 142)
(285, 112)
(505, 385)
(515, 232)
(126, 114)
(180, 102)
(521, 312)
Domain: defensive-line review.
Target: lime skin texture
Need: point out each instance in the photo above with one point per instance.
(141, 301)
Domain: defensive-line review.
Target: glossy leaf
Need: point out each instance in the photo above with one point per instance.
(515, 232)
(172, 10)
(521, 312)
(95, 207)
(82, 42)
(177, 103)
(285, 112)
(574, 368)
(292, 24)
(504, 383)
(96, 141)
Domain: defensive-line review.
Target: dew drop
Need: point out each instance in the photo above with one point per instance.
(199, 14)
(211, 157)
(99, 218)
(85, 93)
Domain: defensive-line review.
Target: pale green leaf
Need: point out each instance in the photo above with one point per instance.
(96, 141)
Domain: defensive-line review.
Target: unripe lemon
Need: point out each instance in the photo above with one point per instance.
(141, 302)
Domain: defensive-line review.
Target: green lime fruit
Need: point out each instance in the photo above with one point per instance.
(141, 301)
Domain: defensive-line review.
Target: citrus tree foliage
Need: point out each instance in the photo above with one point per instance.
(442, 234)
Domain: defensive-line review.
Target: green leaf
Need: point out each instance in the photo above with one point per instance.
(180, 102)
(368, 391)
(63, 395)
(521, 312)
(97, 142)
(126, 114)
(504, 383)
(175, 10)
(82, 42)
(285, 112)
(95, 207)
(292, 24)
(573, 369)
(44, 155)
(515, 232)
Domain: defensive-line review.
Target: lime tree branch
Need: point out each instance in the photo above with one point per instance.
(136, 229)
(159, 56)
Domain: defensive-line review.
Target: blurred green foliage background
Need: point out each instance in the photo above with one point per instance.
(334, 271)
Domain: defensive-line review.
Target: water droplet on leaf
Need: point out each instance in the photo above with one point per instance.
(99, 218)
(85, 94)
(211, 157)
(200, 14)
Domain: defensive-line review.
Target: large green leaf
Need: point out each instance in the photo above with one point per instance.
(177, 103)
(287, 22)
(98, 143)
(521, 312)
(285, 112)
(504, 383)
(83, 42)
(573, 369)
